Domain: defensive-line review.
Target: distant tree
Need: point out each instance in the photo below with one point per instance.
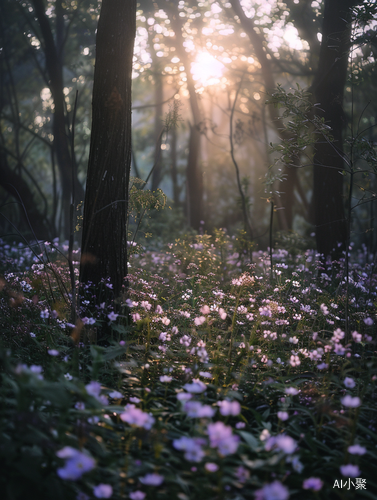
(193, 171)
(330, 58)
(38, 63)
(54, 68)
(104, 241)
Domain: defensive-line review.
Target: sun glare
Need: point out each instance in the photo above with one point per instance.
(206, 70)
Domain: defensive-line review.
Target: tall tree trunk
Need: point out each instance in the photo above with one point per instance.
(104, 243)
(328, 89)
(194, 172)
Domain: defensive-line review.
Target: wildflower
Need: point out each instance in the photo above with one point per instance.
(165, 378)
(77, 463)
(112, 316)
(159, 310)
(202, 354)
(350, 402)
(137, 495)
(93, 389)
(356, 449)
(281, 442)
(195, 409)
(103, 491)
(293, 340)
(45, 314)
(357, 337)
(199, 321)
(116, 395)
(32, 334)
(146, 305)
(240, 425)
(164, 336)
(339, 349)
(68, 376)
(350, 470)
(205, 374)
(272, 491)
(174, 330)
(185, 340)
(242, 310)
(242, 474)
(205, 310)
(135, 416)
(53, 352)
(265, 434)
(80, 405)
(296, 464)
(134, 399)
(282, 415)
(135, 317)
(250, 316)
(184, 396)
(165, 321)
(222, 438)
(152, 479)
(211, 467)
(322, 366)
(229, 408)
(368, 321)
(324, 309)
(196, 387)
(312, 483)
(294, 360)
(338, 335)
(349, 382)
(191, 447)
(265, 311)
(222, 313)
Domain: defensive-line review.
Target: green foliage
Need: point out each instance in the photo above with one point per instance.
(141, 202)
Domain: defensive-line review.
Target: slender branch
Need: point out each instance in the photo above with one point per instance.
(247, 225)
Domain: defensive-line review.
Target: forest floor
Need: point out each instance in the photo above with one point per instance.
(218, 378)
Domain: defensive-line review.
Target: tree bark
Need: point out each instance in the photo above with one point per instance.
(328, 87)
(104, 243)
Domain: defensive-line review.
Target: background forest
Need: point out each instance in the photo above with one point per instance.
(213, 65)
(192, 317)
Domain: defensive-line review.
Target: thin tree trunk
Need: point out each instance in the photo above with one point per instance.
(285, 217)
(194, 173)
(158, 124)
(174, 170)
(61, 140)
